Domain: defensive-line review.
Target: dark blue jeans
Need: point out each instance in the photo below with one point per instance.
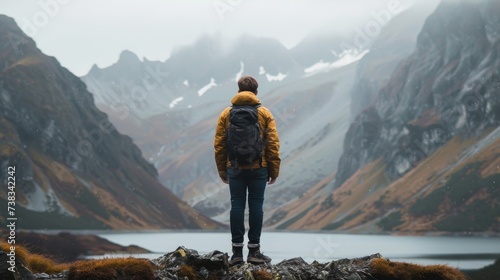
(254, 182)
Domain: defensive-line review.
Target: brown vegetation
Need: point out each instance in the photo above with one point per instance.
(132, 268)
(189, 272)
(39, 263)
(385, 269)
(140, 269)
(36, 263)
(262, 275)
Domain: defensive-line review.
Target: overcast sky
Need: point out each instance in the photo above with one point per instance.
(80, 33)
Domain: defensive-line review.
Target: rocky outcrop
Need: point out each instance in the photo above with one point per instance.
(185, 262)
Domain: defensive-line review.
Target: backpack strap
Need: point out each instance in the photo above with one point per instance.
(257, 108)
(260, 158)
(233, 162)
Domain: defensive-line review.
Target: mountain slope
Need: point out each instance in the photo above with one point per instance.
(460, 195)
(73, 168)
(424, 155)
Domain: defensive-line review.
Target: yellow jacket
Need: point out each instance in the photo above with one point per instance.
(271, 152)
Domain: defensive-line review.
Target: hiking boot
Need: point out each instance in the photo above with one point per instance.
(237, 257)
(255, 256)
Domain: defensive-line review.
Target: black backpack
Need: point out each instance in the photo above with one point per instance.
(244, 143)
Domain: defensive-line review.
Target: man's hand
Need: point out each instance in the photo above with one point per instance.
(225, 180)
(271, 181)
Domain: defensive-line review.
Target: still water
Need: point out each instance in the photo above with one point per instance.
(461, 252)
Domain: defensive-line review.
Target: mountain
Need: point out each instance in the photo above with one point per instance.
(423, 155)
(73, 168)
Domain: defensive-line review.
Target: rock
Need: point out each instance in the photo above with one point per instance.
(59, 276)
(42, 276)
(172, 263)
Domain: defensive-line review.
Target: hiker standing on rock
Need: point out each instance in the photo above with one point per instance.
(247, 156)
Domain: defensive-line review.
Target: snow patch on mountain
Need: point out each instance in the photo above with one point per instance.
(161, 150)
(318, 66)
(204, 89)
(277, 78)
(239, 74)
(262, 71)
(347, 57)
(272, 78)
(175, 102)
(186, 83)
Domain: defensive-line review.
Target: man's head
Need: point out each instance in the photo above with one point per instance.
(248, 83)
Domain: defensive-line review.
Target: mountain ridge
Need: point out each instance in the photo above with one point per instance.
(73, 168)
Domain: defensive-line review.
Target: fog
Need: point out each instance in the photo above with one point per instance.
(80, 33)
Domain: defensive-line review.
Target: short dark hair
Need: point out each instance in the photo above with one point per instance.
(248, 83)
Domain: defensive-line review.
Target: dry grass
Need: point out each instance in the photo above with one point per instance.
(384, 269)
(138, 269)
(262, 275)
(21, 252)
(39, 263)
(36, 263)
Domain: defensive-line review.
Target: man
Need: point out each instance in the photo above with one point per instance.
(249, 177)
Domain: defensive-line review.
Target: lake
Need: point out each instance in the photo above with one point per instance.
(461, 252)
